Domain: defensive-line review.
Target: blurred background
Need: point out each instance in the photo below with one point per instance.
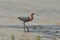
(47, 11)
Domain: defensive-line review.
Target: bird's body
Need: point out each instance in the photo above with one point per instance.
(26, 19)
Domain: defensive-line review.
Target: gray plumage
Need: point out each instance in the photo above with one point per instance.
(24, 19)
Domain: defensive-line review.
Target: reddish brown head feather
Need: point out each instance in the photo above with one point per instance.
(31, 16)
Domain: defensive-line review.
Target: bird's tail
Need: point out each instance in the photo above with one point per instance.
(18, 17)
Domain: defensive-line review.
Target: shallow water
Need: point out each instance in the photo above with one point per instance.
(49, 30)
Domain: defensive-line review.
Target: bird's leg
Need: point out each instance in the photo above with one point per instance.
(27, 29)
(24, 26)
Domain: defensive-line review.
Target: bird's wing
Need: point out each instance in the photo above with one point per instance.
(24, 18)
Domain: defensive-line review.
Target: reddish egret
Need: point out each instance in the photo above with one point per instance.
(26, 19)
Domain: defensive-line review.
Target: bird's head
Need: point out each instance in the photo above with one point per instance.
(33, 14)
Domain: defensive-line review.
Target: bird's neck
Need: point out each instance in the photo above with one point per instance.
(31, 17)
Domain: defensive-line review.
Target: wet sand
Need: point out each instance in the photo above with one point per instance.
(19, 34)
(5, 34)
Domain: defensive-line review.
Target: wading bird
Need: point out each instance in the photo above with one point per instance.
(26, 19)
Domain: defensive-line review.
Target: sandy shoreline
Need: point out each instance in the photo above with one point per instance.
(19, 34)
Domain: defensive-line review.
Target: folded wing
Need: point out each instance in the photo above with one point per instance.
(25, 19)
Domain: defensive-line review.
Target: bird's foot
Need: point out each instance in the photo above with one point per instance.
(27, 31)
(24, 31)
